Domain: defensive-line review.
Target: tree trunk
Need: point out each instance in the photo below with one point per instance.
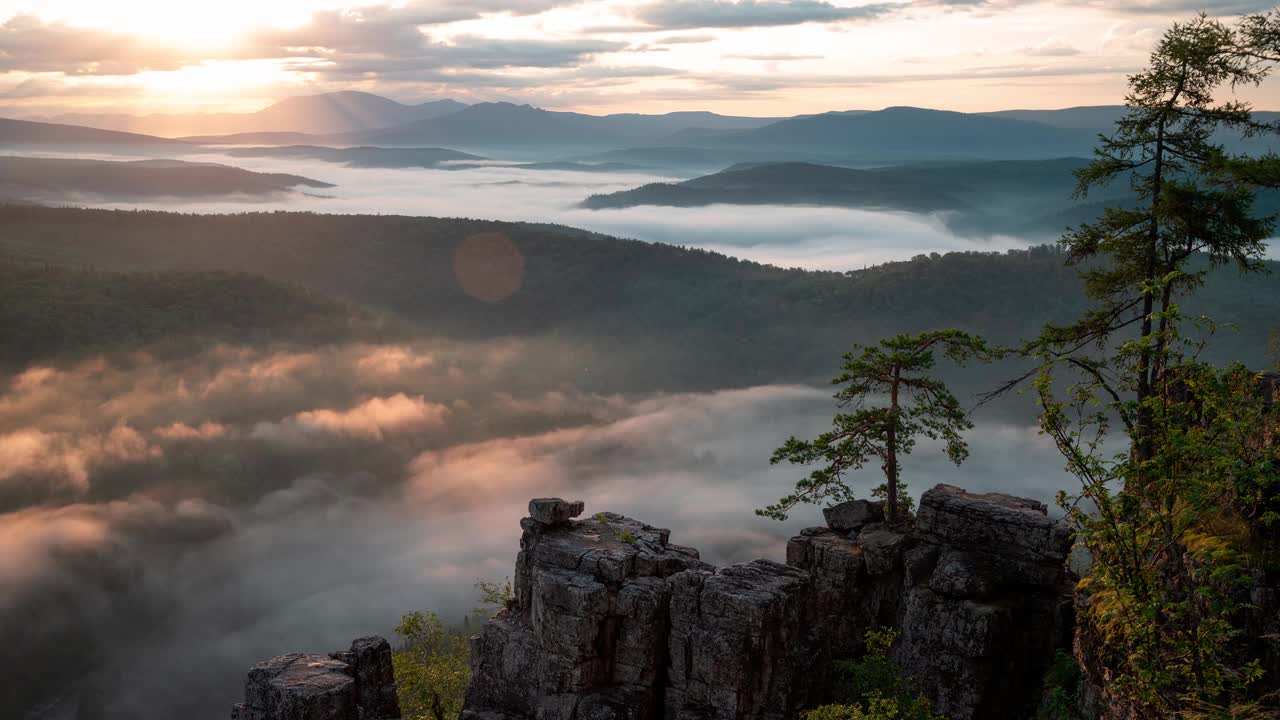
(1144, 447)
(891, 451)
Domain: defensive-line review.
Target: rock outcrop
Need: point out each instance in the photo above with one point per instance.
(588, 635)
(610, 621)
(986, 601)
(353, 684)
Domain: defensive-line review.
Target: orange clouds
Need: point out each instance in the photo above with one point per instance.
(70, 458)
(377, 417)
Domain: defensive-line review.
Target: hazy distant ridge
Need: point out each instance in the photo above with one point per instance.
(61, 179)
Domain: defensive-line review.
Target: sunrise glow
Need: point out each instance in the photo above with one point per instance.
(748, 57)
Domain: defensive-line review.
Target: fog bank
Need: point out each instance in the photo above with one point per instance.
(165, 524)
(789, 236)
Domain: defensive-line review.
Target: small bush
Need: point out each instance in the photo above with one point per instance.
(495, 596)
(432, 668)
(874, 687)
(1061, 682)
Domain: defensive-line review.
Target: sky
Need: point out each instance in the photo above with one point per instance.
(748, 57)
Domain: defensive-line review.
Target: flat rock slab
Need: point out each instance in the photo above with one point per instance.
(298, 687)
(353, 684)
(992, 522)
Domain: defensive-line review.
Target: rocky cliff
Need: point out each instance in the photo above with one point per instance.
(611, 621)
(353, 684)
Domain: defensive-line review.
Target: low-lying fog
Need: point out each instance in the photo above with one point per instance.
(809, 237)
(168, 523)
(165, 524)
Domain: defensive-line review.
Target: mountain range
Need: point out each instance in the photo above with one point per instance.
(691, 141)
(323, 114)
(899, 133)
(506, 125)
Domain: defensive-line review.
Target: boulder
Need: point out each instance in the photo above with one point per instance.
(882, 550)
(554, 511)
(852, 515)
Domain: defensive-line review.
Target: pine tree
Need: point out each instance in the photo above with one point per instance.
(916, 405)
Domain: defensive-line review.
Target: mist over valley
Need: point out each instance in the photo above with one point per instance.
(302, 303)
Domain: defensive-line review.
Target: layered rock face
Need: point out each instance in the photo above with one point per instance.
(353, 684)
(612, 621)
(587, 636)
(985, 602)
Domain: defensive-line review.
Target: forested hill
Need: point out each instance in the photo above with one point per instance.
(40, 179)
(50, 311)
(669, 316)
(1016, 197)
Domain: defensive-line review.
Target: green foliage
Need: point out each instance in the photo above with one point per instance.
(1265, 708)
(49, 311)
(880, 641)
(906, 503)
(918, 405)
(432, 668)
(495, 595)
(874, 687)
(1173, 524)
(627, 537)
(600, 518)
(876, 707)
(1061, 683)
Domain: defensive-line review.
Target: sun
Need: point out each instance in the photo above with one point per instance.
(213, 82)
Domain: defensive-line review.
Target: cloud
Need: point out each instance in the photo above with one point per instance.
(1182, 7)
(775, 57)
(684, 39)
(1166, 8)
(464, 52)
(1052, 48)
(30, 44)
(693, 14)
(392, 361)
(372, 420)
(182, 431)
(368, 39)
(69, 459)
(196, 548)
